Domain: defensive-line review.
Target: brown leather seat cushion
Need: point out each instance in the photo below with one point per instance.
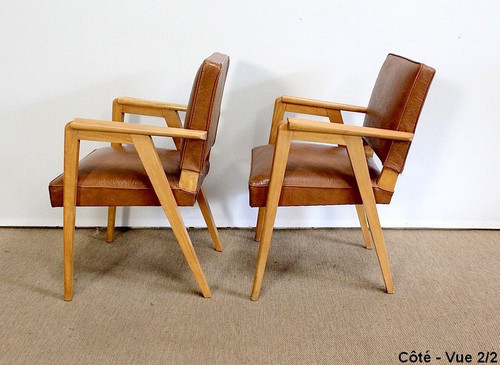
(315, 175)
(114, 176)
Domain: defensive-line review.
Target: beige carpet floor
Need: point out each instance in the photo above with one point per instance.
(136, 301)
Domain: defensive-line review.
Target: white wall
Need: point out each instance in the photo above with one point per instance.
(66, 59)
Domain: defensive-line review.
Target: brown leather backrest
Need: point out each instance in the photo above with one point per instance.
(203, 111)
(396, 102)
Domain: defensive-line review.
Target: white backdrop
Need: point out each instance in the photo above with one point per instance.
(67, 59)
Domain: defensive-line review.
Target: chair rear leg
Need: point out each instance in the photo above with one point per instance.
(187, 248)
(379, 243)
(209, 220)
(152, 164)
(360, 167)
(260, 223)
(110, 232)
(364, 226)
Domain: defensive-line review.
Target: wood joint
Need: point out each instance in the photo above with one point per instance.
(368, 150)
(189, 180)
(388, 179)
(278, 114)
(174, 121)
(335, 116)
(117, 116)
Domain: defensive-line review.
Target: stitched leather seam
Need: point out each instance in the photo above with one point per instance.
(403, 115)
(193, 107)
(212, 98)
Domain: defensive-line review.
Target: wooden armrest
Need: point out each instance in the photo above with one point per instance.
(129, 128)
(302, 125)
(150, 104)
(322, 104)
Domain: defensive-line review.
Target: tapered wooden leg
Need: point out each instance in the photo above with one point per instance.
(260, 223)
(110, 232)
(71, 152)
(364, 227)
(152, 164)
(278, 172)
(209, 219)
(360, 167)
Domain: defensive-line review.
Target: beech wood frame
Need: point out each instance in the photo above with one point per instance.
(281, 135)
(140, 137)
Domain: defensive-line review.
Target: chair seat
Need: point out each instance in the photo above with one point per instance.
(115, 176)
(315, 175)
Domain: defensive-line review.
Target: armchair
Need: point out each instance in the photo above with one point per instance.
(140, 174)
(286, 173)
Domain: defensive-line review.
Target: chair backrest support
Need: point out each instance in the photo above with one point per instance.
(203, 112)
(396, 102)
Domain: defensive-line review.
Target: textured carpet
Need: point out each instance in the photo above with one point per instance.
(322, 300)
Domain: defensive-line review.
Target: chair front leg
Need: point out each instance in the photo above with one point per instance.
(152, 164)
(71, 154)
(360, 167)
(274, 191)
(209, 219)
(364, 226)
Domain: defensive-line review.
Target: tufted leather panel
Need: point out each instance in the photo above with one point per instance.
(396, 102)
(315, 175)
(204, 110)
(114, 176)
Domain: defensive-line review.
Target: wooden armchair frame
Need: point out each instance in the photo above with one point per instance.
(141, 137)
(284, 131)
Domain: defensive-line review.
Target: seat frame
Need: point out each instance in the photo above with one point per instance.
(141, 137)
(281, 135)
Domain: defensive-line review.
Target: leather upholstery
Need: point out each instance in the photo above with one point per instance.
(322, 175)
(315, 175)
(204, 110)
(114, 176)
(396, 102)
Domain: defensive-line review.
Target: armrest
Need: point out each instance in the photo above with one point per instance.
(129, 128)
(322, 104)
(349, 130)
(150, 104)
